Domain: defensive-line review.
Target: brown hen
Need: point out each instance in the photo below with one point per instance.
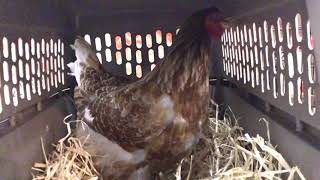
(153, 122)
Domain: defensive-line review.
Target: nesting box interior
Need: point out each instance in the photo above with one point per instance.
(264, 66)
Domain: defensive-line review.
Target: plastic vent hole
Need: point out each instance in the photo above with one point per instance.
(51, 46)
(169, 39)
(262, 60)
(291, 93)
(20, 62)
(275, 88)
(282, 58)
(55, 81)
(236, 55)
(248, 73)
(241, 37)
(231, 36)
(128, 38)
(38, 50)
(39, 87)
(14, 74)
(138, 56)
(47, 50)
(38, 69)
(47, 66)
(118, 42)
(20, 47)
(87, 38)
(311, 69)
(250, 38)
(128, 68)
(280, 29)
(298, 24)
(118, 57)
(235, 40)
(62, 50)
(138, 71)
(99, 57)
(48, 84)
(152, 66)
(257, 76)
(268, 80)
(158, 36)
(299, 60)
(149, 40)
(311, 101)
(27, 54)
(252, 58)
(282, 85)
(244, 75)
(43, 82)
(33, 85)
(243, 57)
(237, 73)
(151, 55)
(260, 37)
(139, 41)
(310, 37)
(6, 93)
(273, 36)
(97, 43)
(252, 79)
(267, 56)
(238, 34)
(51, 62)
(266, 31)
(51, 80)
(107, 38)
(262, 83)
(21, 90)
(254, 29)
(300, 90)
(275, 62)
(56, 65)
(59, 76)
(43, 46)
(128, 54)
(108, 55)
(5, 68)
(161, 52)
(240, 71)
(245, 33)
(59, 45)
(247, 54)
(5, 47)
(28, 92)
(177, 31)
(289, 35)
(256, 54)
(56, 48)
(13, 52)
(33, 66)
(290, 65)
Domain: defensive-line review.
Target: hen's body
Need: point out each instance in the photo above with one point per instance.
(155, 120)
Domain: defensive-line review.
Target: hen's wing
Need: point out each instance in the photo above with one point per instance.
(90, 76)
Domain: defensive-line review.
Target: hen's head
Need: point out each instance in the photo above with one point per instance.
(207, 22)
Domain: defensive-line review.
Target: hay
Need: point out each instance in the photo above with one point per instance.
(69, 161)
(223, 153)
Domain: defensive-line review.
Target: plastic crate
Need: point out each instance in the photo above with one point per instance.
(268, 59)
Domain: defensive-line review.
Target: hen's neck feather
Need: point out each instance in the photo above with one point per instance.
(185, 66)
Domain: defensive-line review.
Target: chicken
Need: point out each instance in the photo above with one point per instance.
(151, 123)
